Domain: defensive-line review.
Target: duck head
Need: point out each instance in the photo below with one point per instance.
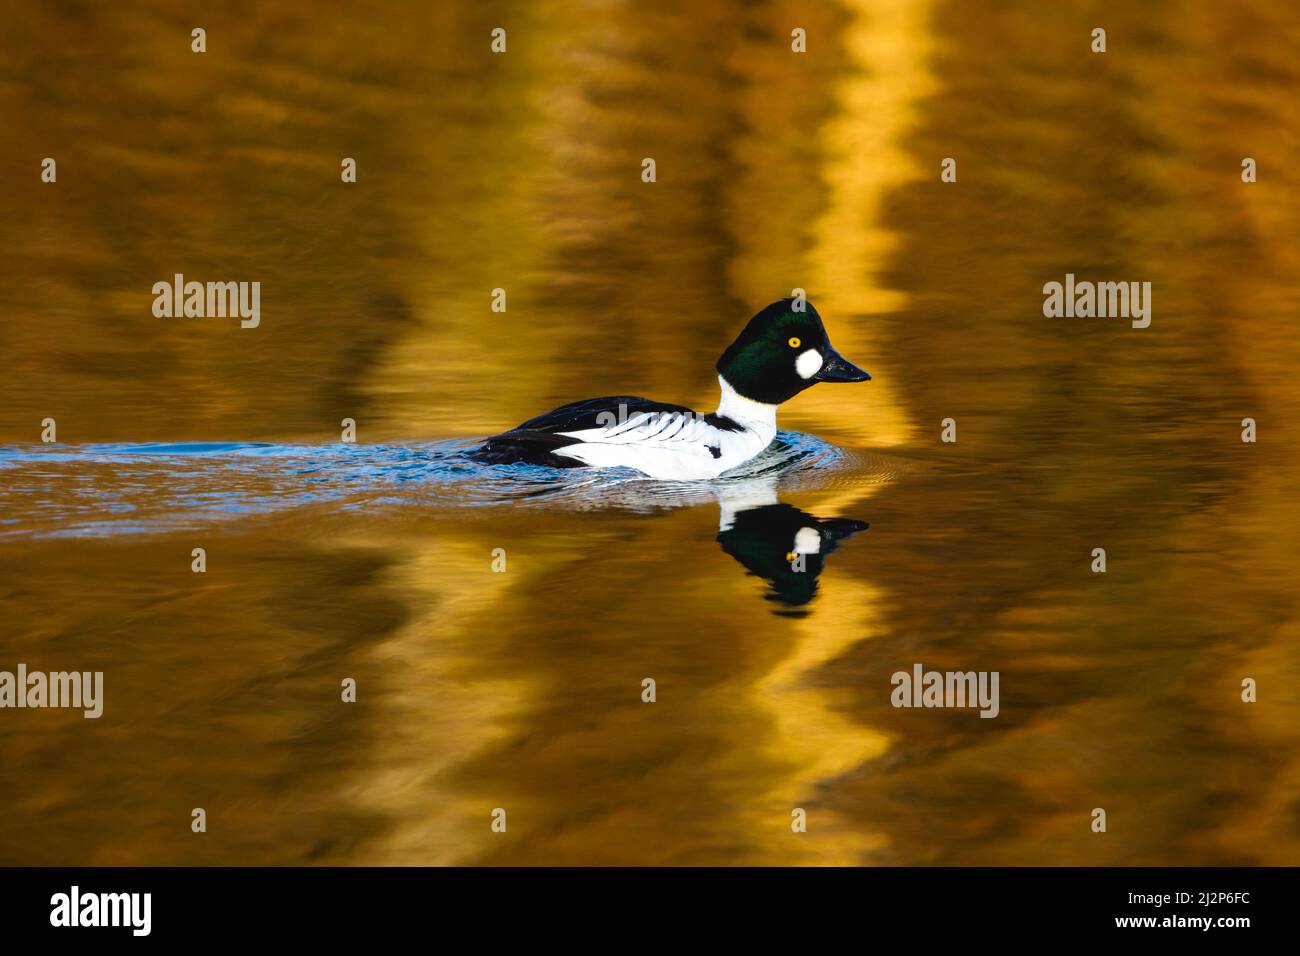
(785, 546)
(781, 352)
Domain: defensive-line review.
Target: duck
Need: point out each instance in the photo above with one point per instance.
(781, 351)
(784, 545)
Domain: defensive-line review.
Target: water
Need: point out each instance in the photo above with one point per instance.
(522, 689)
(105, 490)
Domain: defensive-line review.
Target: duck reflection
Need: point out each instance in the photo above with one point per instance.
(780, 543)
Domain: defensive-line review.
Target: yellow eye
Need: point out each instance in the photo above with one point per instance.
(790, 556)
(794, 341)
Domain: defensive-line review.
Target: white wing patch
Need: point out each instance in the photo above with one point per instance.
(649, 428)
(662, 445)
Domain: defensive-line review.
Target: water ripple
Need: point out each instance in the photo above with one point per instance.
(105, 489)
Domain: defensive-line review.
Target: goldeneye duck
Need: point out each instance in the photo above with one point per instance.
(781, 352)
(770, 539)
(778, 542)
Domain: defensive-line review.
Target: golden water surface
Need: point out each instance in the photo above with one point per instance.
(522, 690)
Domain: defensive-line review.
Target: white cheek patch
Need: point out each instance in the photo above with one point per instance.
(808, 363)
(807, 540)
